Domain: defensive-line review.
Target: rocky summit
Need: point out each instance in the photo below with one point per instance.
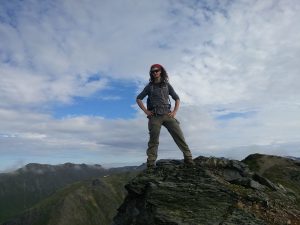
(215, 191)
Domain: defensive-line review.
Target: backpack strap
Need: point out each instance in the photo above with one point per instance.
(149, 100)
(151, 90)
(167, 84)
(149, 104)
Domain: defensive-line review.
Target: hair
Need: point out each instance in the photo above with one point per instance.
(163, 74)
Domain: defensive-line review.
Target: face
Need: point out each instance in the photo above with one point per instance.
(156, 72)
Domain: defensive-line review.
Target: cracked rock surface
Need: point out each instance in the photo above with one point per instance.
(216, 191)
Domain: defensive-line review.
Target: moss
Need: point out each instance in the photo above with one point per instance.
(241, 190)
(253, 163)
(285, 176)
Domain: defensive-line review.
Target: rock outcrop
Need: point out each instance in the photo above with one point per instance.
(214, 191)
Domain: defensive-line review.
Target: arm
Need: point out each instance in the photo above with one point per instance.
(177, 101)
(173, 113)
(140, 103)
(142, 106)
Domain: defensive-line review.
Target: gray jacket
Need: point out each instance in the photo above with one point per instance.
(158, 97)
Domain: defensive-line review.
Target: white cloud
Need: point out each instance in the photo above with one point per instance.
(247, 56)
(222, 58)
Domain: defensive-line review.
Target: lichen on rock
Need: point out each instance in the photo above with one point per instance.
(214, 191)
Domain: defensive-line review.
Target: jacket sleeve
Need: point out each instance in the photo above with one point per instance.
(172, 92)
(143, 93)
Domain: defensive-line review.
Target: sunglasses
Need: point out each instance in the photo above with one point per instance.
(155, 71)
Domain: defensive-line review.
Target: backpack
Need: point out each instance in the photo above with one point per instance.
(149, 99)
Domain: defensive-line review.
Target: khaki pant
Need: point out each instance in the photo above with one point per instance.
(172, 125)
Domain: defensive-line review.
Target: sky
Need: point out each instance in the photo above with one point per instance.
(70, 72)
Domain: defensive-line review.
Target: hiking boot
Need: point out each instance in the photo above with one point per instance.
(150, 164)
(189, 162)
(150, 167)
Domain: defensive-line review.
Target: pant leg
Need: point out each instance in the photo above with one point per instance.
(174, 129)
(154, 126)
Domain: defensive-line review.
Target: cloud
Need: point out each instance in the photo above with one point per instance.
(241, 56)
(110, 98)
(234, 65)
(85, 37)
(36, 133)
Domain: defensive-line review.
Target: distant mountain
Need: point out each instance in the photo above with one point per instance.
(27, 186)
(90, 202)
(215, 191)
(292, 157)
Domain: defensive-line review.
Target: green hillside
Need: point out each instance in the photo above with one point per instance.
(29, 185)
(280, 170)
(89, 202)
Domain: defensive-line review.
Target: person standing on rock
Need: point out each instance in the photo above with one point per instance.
(159, 113)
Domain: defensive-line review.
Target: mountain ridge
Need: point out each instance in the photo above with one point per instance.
(26, 186)
(89, 202)
(214, 191)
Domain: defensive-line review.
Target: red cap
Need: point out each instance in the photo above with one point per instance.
(156, 66)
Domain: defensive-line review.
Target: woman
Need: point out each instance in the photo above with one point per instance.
(159, 113)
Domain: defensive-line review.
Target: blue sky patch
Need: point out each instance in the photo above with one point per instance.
(114, 102)
(234, 115)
